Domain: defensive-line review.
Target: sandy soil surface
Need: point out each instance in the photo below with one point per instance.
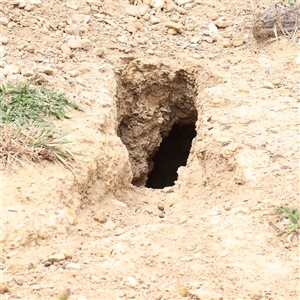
(136, 69)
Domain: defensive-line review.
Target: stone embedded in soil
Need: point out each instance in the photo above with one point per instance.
(100, 216)
(79, 43)
(206, 295)
(222, 24)
(73, 265)
(3, 288)
(56, 257)
(4, 20)
(238, 43)
(175, 26)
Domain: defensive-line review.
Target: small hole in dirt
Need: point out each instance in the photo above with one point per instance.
(173, 153)
(156, 116)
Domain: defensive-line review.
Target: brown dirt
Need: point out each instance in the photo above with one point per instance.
(136, 74)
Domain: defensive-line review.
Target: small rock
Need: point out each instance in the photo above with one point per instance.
(182, 290)
(79, 43)
(238, 43)
(19, 282)
(226, 43)
(96, 278)
(65, 49)
(3, 40)
(213, 28)
(208, 39)
(172, 31)
(14, 209)
(222, 24)
(183, 219)
(158, 4)
(183, 2)
(122, 39)
(11, 69)
(154, 20)
(131, 281)
(72, 29)
(160, 207)
(73, 73)
(72, 265)
(175, 26)
(72, 5)
(268, 84)
(206, 295)
(47, 263)
(100, 216)
(4, 20)
(67, 254)
(56, 257)
(227, 207)
(40, 78)
(46, 70)
(3, 288)
(161, 215)
(26, 72)
(143, 10)
(2, 51)
(71, 216)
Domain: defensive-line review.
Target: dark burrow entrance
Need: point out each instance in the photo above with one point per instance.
(173, 153)
(156, 117)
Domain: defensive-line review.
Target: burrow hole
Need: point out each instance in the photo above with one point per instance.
(157, 116)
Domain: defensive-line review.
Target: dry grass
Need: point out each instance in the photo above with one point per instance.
(26, 129)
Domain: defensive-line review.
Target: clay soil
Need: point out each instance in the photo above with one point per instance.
(136, 69)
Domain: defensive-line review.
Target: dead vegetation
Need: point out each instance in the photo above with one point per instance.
(279, 19)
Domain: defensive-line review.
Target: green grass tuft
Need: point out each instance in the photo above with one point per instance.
(27, 130)
(292, 214)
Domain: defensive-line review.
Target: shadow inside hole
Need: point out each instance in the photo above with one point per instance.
(173, 153)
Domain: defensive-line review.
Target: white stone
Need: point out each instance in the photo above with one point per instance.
(72, 265)
(213, 28)
(131, 281)
(158, 3)
(79, 43)
(56, 257)
(2, 51)
(11, 69)
(183, 2)
(3, 40)
(72, 5)
(4, 20)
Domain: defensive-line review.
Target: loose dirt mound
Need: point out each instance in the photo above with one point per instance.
(137, 70)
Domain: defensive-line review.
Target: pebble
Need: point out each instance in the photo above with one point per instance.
(56, 257)
(4, 21)
(238, 43)
(226, 43)
(158, 4)
(46, 70)
(13, 209)
(27, 72)
(2, 51)
(222, 24)
(19, 282)
(3, 40)
(73, 265)
(213, 28)
(100, 216)
(175, 26)
(206, 295)
(79, 43)
(183, 219)
(3, 288)
(11, 69)
(72, 5)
